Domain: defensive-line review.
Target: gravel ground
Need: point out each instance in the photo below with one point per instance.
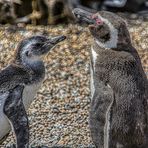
(59, 114)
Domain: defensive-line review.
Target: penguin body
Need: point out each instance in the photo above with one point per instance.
(20, 82)
(29, 93)
(119, 105)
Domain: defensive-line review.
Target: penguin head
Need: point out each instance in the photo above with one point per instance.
(36, 47)
(108, 29)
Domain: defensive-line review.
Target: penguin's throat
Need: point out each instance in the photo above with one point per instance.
(35, 69)
(33, 66)
(30, 61)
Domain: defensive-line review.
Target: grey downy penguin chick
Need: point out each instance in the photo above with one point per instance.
(119, 87)
(19, 83)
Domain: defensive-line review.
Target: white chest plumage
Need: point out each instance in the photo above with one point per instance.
(92, 70)
(28, 96)
(94, 57)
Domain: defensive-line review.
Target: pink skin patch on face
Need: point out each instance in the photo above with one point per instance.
(98, 21)
(94, 16)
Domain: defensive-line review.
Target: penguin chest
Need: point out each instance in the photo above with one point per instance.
(29, 93)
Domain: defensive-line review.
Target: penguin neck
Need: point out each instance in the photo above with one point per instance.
(112, 42)
(35, 68)
(120, 46)
(33, 65)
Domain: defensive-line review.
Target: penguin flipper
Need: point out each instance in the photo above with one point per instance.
(100, 102)
(15, 111)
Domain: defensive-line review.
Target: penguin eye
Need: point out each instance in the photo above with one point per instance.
(38, 45)
(28, 54)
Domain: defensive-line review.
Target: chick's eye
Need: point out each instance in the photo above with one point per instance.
(28, 54)
(38, 45)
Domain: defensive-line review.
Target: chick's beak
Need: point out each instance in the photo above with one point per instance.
(57, 39)
(84, 16)
(50, 43)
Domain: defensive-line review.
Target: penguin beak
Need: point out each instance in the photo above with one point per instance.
(50, 43)
(57, 39)
(84, 16)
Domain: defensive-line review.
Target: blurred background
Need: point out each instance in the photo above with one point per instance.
(43, 12)
(59, 115)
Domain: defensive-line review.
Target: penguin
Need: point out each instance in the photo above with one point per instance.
(119, 87)
(19, 83)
